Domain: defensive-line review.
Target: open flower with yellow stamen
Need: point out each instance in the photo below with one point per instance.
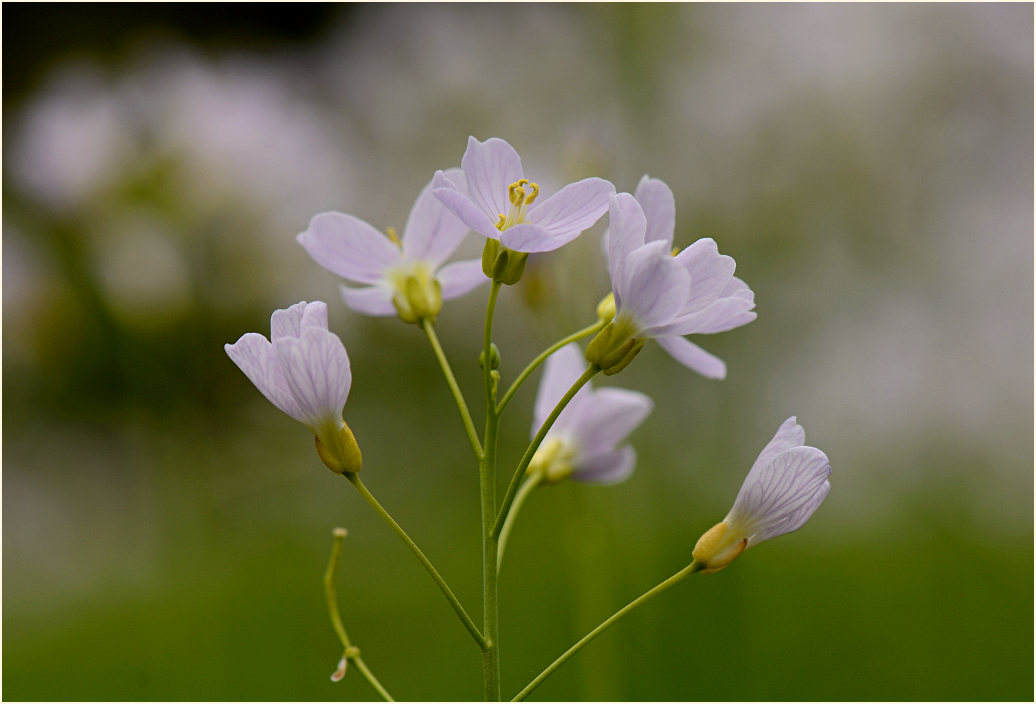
(404, 277)
(584, 442)
(499, 203)
(785, 486)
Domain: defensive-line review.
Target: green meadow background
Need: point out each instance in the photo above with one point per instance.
(166, 530)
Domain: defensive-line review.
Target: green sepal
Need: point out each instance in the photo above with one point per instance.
(501, 264)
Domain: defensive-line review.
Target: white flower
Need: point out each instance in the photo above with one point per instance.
(304, 370)
(651, 299)
(785, 486)
(583, 442)
(407, 276)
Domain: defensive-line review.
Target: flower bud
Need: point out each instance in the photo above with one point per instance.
(501, 264)
(718, 547)
(338, 450)
(606, 308)
(494, 357)
(613, 348)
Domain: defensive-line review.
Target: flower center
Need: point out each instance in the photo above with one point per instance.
(553, 461)
(521, 193)
(416, 292)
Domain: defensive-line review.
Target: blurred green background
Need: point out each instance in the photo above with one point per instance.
(165, 529)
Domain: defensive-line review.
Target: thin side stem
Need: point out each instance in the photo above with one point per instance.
(351, 652)
(443, 586)
(527, 486)
(451, 381)
(512, 489)
(658, 589)
(578, 335)
(487, 486)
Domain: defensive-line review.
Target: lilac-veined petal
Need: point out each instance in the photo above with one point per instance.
(710, 272)
(526, 237)
(490, 167)
(432, 231)
(608, 416)
(369, 300)
(287, 322)
(608, 467)
(693, 357)
(656, 198)
(316, 368)
(789, 435)
(560, 371)
(795, 519)
(255, 356)
(458, 203)
(652, 286)
(314, 316)
(457, 278)
(349, 247)
(627, 226)
(778, 490)
(573, 209)
(720, 316)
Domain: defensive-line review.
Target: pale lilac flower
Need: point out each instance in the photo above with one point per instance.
(785, 486)
(499, 203)
(303, 369)
(404, 276)
(584, 441)
(654, 300)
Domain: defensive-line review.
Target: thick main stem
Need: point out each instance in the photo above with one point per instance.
(657, 589)
(487, 484)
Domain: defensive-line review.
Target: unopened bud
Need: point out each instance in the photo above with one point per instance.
(606, 308)
(494, 357)
(338, 450)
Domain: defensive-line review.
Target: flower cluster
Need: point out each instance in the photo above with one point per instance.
(578, 432)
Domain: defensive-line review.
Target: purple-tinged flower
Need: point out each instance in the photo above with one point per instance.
(584, 441)
(303, 369)
(640, 235)
(499, 203)
(785, 486)
(405, 277)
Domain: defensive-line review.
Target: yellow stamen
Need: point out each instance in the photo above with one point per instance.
(501, 221)
(391, 232)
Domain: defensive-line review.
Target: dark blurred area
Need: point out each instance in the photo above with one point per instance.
(165, 529)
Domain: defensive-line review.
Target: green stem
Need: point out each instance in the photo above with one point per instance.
(658, 589)
(445, 588)
(351, 652)
(465, 416)
(487, 485)
(519, 499)
(519, 473)
(578, 335)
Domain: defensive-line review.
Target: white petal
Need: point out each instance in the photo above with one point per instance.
(255, 355)
(789, 435)
(607, 468)
(560, 371)
(527, 237)
(490, 168)
(348, 247)
(710, 272)
(721, 315)
(287, 322)
(317, 371)
(693, 357)
(369, 300)
(777, 492)
(314, 316)
(573, 209)
(458, 203)
(652, 286)
(626, 228)
(432, 232)
(607, 416)
(458, 278)
(656, 198)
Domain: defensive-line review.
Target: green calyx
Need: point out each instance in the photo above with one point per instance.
(418, 294)
(501, 264)
(614, 347)
(338, 450)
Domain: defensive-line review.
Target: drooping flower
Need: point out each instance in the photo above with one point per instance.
(785, 486)
(303, 369)
(498, 202)
(715, 299)
(584, 442)
(403, 276)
